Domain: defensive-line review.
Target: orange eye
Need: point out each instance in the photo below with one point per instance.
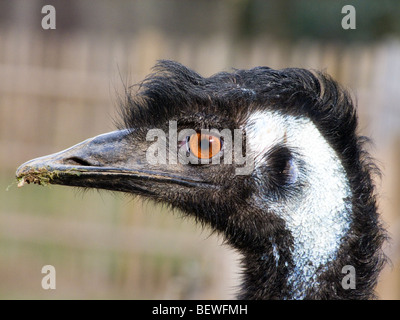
(204, 146)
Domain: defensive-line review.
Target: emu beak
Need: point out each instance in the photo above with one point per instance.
(108, 161)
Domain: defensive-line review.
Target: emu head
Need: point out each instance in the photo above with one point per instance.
(269, 158)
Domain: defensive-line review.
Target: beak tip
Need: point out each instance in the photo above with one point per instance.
(21, 182)
(22, 170)
(32, 172)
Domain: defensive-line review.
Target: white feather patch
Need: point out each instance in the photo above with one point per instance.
(321, 215)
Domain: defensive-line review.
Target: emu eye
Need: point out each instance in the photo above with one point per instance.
(204, 146)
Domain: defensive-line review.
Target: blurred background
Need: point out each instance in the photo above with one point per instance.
(58, 87)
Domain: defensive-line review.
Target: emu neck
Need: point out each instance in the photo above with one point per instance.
(296, 268)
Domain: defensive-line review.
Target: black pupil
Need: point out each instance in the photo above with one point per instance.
(205, 143)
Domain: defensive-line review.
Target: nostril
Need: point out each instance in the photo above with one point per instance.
(77, 161)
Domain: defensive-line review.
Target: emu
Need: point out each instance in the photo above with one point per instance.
(306, 208)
